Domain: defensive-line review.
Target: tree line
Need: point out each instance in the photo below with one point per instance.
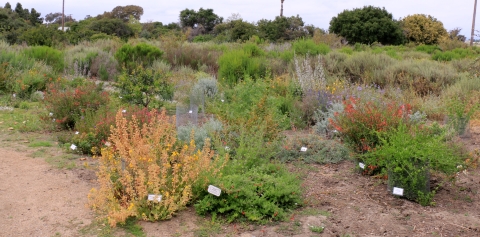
(365, 25)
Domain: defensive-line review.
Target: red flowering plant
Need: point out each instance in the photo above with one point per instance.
(67, 105)
(362, 122)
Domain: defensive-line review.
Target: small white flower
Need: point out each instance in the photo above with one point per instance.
(14, 95)
(76, 133)
(50, 114)
(223, 100)
(73, 147)
(120, 97)
(53, 120)
(124, 111)
(108, 144)
(227, 148)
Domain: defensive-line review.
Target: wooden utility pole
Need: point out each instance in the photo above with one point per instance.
(281, 8)
(473, 23)
(63, 15)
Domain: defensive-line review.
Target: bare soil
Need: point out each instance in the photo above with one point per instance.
(39, 200)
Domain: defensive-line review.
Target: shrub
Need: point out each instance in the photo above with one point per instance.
(304, 47)
(235, 65)
(423, 77)
(363, 122)
(200, 134)
(143, 54)
(194, 56)
(423, 29)
(310, 76)
(51, 56)
(408, 154)
(322, 119)
(68, 105)
(263, 193)
(143, 86)
(430, 49)
(362, 67)
(318, 151)
(35, 79)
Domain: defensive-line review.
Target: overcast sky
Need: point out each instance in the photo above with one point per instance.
(453, 14)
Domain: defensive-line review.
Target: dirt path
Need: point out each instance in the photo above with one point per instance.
(39, 200)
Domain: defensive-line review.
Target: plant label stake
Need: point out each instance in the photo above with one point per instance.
(73, 147)
(190, 112)
(214, 190)
(303, 149)
(154, 197)
(362, 165)
(398, 191)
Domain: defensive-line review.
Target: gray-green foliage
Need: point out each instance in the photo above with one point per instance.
(322, 119)
(200, 133)
(205, 87)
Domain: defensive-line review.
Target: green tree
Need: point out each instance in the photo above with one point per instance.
(282, 28)
(43, 36)
(114, 27)
(236, 30)
(204, 17)
(367, 25)
(423, 29)
(35, 18)
(124, 12)
(8, 6)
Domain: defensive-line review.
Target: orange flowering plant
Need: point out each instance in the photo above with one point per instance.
(146, 173)
(362, 122)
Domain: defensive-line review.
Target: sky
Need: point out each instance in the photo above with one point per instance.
(453, 14)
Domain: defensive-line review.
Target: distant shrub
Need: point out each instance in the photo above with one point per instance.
(362, 67)
(304, 47)
(430, 49)
(235, 65)
(142, 54)
(200, 133)
(194, 56)
(143, 86)
(35, 79)
(50, 56)
(66, 106)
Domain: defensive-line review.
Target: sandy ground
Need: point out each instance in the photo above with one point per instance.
(39, 200)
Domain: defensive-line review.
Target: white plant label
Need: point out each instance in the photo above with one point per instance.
(50, 114)
(223, 100)
(398, 191)
(124, 111)
(53, 120)
(76, 133)
(190, 111)
(214, 190)
(14, 95)
(154, 197)
(303, 149)
(73, 147)
(362, 165)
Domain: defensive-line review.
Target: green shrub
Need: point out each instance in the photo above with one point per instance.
(304, 47)
(51, 56)
(430, 49)
(261, 194)
(32, 80)
(319, 150)
(17, 61)
(143, 86)
(236, 65)
(142, 54)
(408, 154)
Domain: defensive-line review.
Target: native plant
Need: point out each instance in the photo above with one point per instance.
(147, 160)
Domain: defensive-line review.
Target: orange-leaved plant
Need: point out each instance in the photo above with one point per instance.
(148, 160)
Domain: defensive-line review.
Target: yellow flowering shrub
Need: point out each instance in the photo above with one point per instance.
(148, 160)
